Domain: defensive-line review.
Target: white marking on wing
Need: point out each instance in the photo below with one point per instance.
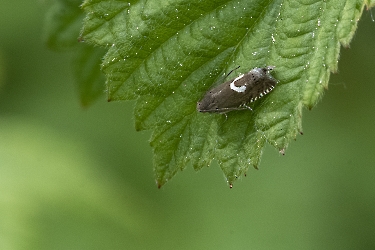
(235, 88)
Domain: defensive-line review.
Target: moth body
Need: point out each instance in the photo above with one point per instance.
(238, 92)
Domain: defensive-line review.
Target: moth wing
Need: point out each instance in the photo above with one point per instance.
(261, 87)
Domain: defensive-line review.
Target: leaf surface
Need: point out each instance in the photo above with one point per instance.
(167, 54)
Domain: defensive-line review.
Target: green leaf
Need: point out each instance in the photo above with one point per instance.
(167, 54)
(63, 25)
(370, 3)
(87, 74)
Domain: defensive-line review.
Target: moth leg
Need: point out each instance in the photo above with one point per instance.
(248, 107)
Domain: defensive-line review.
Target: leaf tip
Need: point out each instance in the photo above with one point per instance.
(282, 151)
(84, 104)
(81, 39)
(137, 128)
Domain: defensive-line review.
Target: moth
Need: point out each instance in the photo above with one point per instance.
(237, 93)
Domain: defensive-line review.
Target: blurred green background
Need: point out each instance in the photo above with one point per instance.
(76, 178)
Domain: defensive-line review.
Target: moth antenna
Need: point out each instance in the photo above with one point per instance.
(232, 71)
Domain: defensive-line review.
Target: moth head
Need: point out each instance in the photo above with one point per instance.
(207, 104)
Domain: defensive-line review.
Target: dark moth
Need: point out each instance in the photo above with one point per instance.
(237, 93)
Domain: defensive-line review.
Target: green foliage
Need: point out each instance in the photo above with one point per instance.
(167, 54)
(63, 23)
